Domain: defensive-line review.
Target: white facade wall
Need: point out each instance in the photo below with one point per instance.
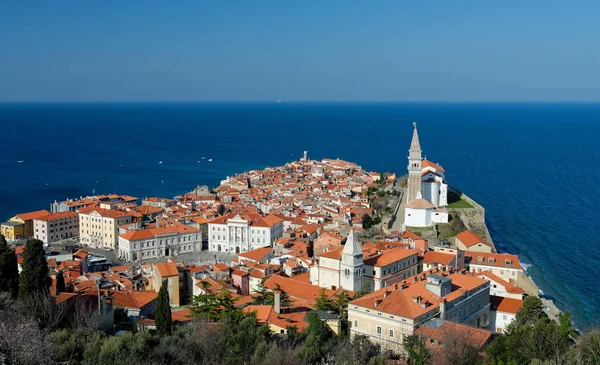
(160, 246)
(417, 217)
(100, 232)
(503, 273)
(431, 192)
(500, 320)
(56, 229)
(443, 194)
(237, 235)
(439, 217)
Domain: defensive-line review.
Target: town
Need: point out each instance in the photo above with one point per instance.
(404, 262)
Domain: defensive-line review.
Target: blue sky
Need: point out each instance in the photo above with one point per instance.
(207, 50)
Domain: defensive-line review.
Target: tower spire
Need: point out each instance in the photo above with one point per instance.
(415, 146)
(414, 166)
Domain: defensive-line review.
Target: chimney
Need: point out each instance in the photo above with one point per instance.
(443, 308)
(277, 302)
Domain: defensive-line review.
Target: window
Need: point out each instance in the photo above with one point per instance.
(356, 323)
(391, 333)
(378, 330)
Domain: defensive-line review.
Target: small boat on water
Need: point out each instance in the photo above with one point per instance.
(20, 161)
(210, 160)
(204, 158)
(160, 162)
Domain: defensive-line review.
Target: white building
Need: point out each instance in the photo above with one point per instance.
(390, 314)
(417, 212)
(503, 265)
(56, 226)
(502, 312)
(242, 233)
(433, 183)
(152, 243)
(99, 227)
(425, 178)
(348, 267)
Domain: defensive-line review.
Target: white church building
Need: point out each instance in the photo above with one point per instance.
(350, 267)
(427, 189)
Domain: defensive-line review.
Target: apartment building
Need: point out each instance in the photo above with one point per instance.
(56, 226)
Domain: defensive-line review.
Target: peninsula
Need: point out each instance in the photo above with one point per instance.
(372, 255)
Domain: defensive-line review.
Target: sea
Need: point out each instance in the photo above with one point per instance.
(535, 167)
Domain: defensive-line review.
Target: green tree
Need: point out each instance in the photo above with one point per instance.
(531, 311)
(206, 304)
(315, 344)
(34, 273)
(367, 221)
(9, 269)
(284, 298)
(324, 303)
(364, 290)
(263, 296)
(162, 312)
(418, 354)
(60, 283)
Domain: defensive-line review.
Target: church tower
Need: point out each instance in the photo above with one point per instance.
(351, 268)
(414, 166)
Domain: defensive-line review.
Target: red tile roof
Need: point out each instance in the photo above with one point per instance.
(505, 305)
(433, 257)
(166, 269)
(33, 215)
(469, 238)
(133, 299)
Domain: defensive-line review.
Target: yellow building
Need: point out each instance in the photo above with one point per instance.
(99, 227)
(470, 241)
(169, 271)
(21, 225)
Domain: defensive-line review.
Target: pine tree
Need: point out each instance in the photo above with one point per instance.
(284, 298)
(162, 312)
(9, 269)
(60, 283)
(323, 302)
(34, 273)
(263, 296)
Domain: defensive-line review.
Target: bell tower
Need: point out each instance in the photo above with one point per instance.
(414, 166)
(351, 268)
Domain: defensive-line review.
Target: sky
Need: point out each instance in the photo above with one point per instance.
(210, 50)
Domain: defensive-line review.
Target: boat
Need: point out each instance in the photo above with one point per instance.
(204, 158)
(160, 162)
(210, 160)
(20, 161)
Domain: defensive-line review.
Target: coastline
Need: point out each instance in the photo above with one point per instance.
(525, 281)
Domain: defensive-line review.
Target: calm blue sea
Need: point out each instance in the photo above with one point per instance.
(535, 167)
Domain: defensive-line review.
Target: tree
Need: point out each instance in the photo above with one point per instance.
(314, 346)
(162, 312)
(364, 290)
(341, 304)
(367, 221)
(60, 282)
(263, 296)
(206, 304)
(418, 354)
(284, 298)
(323, 302)
(531, 311)
(9, 269)
(34, 273)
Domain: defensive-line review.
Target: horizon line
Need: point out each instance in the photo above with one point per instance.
(298, 101)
